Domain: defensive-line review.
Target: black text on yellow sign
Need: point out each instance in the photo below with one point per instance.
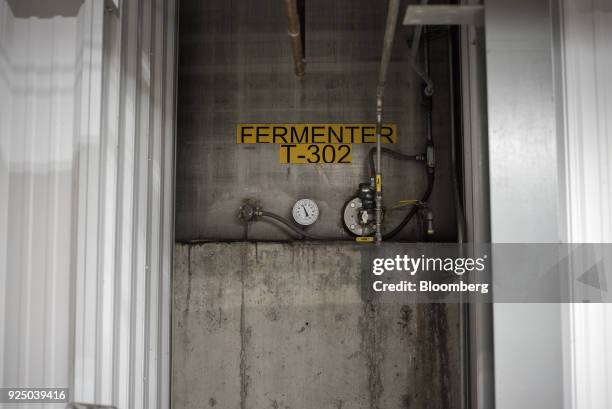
(314, 133)
(315, 153)
(314, 143)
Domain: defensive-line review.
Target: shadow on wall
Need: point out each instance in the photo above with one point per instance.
(44, 8)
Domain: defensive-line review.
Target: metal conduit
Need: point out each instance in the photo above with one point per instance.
(392, 15)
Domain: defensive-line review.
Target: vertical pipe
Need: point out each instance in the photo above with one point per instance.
(301, 7)
(392, 14)
(455, 180)
(426, 94)
(293, 18)
(414, 48)
(464, 320)
(416, 37)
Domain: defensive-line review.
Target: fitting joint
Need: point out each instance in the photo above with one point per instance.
(249, 211)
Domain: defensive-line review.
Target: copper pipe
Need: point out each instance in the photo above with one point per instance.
(294, 34)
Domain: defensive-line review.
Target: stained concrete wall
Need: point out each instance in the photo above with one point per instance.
(235, 66)
(283, 326)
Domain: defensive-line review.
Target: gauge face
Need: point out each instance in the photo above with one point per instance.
(305, 212)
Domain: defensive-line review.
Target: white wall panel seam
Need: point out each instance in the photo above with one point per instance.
(122, 335)
(6, 100)
(168, 216)
(128, 104)
(30, 168)
(88, 204)
(154, 283)
(139, 232)
(50, 220)
(110, 159)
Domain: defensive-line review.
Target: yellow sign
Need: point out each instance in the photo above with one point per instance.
(314, 143)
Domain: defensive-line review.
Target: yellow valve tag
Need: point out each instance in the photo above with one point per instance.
(378, 183)
(364, 239)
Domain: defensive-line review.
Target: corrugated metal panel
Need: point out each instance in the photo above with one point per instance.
(126, 189)
(586, 62)
(37, 70)
(86, 200)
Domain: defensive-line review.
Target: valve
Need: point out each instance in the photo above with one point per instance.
(359, 213)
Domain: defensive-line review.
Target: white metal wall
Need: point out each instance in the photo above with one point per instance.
(86, 200)
(524, 193)
(586, 112)
(125, 212)
(37, 139)
(550, 110)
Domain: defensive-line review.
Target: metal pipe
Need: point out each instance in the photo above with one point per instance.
(293, 18)
(464, 317)
(290, 226)
(428, 87)
(392, 15)
(393, 154)
(429, 156)
(414, 48)
(455, 180)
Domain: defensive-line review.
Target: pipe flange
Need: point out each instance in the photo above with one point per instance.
(249, 211)
(356, 220)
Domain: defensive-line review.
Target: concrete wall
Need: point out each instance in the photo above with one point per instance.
(283, 326)
(235, 66)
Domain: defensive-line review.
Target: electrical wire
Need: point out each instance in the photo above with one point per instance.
(413, 209)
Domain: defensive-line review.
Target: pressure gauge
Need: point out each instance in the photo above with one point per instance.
(305, 212)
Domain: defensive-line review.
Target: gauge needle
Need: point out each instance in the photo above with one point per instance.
(305, 211)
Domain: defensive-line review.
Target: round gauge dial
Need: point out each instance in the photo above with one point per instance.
(305, 212)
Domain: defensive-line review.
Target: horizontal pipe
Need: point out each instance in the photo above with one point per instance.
(393, 154)
(290, 226)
